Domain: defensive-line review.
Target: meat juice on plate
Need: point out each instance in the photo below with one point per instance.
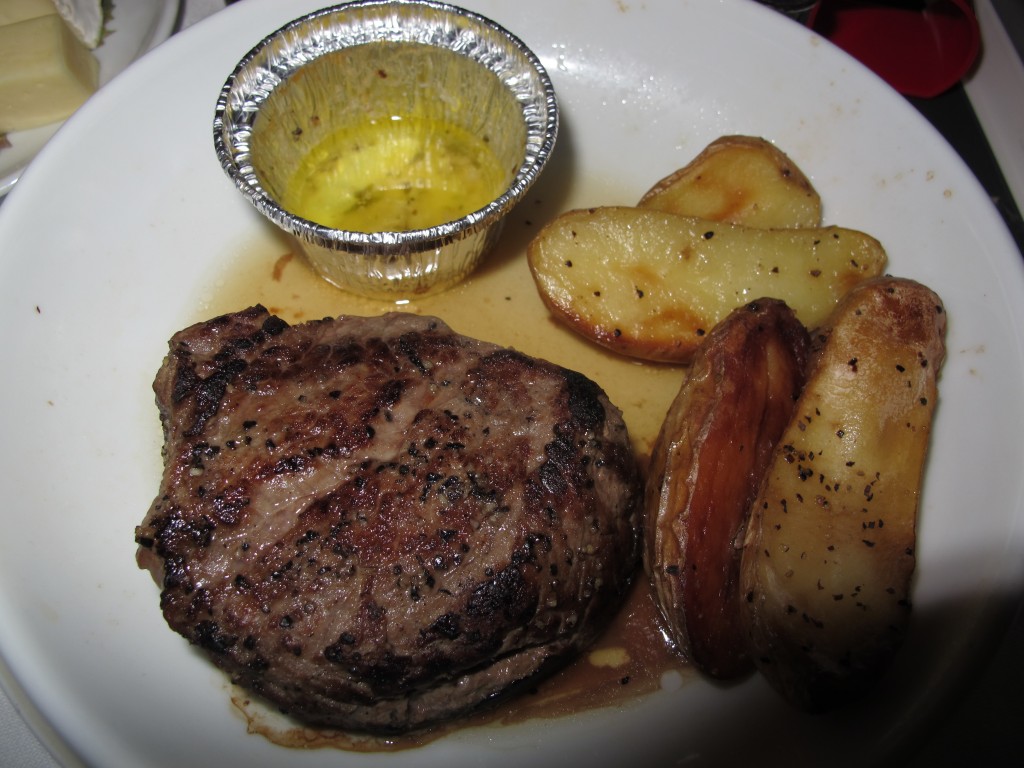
(499, 303)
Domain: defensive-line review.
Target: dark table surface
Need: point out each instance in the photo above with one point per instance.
(982, 727)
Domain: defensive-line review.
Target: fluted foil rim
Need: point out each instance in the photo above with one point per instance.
(288, 48)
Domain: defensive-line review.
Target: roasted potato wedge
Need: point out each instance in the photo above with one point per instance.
(828, 554)
(705, 470)
(742, 180)
(651, 284)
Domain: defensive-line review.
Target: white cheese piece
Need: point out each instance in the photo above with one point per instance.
(85, 17)
(46, 73)
(13, 11)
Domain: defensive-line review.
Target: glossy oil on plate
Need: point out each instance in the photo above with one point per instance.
(132, 29)
(127, 230)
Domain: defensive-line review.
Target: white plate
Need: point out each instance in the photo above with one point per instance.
(124, 225)
(133, 29)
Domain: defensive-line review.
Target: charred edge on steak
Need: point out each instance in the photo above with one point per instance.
(208, 391)
(493, 563)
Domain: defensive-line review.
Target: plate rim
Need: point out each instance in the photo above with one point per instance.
(968, 174)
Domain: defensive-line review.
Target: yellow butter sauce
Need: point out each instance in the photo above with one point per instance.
(394, 175)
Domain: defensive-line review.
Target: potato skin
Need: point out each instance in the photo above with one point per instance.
(742, 180)
(650, 284)
(828, 555)
(705, 469)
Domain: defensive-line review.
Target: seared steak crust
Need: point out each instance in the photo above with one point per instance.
(376, 523)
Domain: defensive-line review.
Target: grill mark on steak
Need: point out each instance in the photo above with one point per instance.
(377, 523)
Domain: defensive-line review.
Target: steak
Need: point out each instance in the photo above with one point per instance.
(376, 523)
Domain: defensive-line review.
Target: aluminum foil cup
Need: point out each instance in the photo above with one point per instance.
(422, 63)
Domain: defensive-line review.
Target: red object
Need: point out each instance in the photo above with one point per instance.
(921, 48)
